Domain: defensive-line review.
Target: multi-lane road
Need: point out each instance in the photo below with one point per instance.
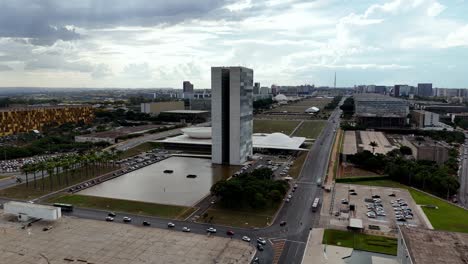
(463, 176)
(297, 213)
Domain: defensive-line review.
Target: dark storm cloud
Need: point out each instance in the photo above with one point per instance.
(45, 21)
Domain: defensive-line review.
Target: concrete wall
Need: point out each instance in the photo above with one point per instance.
(44, 212)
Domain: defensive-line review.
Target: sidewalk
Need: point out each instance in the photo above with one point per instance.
(317, 253)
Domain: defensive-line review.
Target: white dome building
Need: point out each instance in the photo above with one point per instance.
(277, 141)
(198, 132)
(312, 110)
(280, 98)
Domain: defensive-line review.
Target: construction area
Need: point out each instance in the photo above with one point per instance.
(72, 240)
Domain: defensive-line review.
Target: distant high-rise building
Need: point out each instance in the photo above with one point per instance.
(401, 90)
(187, 90)
(264, 90)
(425, 89)
(231, 108)
(274, 89)
(256, 88)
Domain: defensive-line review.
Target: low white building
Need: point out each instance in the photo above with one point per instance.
(27, 211)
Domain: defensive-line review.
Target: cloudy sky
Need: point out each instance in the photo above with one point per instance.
(160, 43)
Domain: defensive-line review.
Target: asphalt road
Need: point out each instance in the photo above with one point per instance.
(297, 213)
(463, 178)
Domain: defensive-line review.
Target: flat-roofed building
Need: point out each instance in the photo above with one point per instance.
(26, 119)
(424, 246)
(156, 108)
(189, 116)
(380, 111)
(427, 149)
(424, 118)
(114, 135)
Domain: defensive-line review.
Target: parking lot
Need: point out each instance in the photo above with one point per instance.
(86, 241)
(380, 208)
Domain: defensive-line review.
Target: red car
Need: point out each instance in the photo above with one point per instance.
(230, 233)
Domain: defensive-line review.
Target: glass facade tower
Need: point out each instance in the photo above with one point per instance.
(231, 114)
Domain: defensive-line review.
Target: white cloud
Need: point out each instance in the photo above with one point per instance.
(457, 38)
(239, 5)
(435, 9)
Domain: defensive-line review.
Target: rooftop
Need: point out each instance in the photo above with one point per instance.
(185, 112)
(426, 142)
(433, 247)
(202, 136)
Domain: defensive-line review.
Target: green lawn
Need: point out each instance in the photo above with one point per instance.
(248, 218)
(296, 168)
(118, 205)
(310, 129)
(4, 177)
(139, 149)
(28, 193)
(272, 126)
(447, 217)
(360, 241)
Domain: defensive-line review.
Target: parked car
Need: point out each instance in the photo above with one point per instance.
(185, 229)
(261, 241)
(211, 230)
(111, 214)
(259, 247)
(283, 223)
(109, 219)
(146, 223)
(170, 224)
(246, 238)
(127, 219)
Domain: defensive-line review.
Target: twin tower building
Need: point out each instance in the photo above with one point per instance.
(231, 114)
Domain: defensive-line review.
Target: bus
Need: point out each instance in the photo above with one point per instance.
(315, 204)
(65, 207)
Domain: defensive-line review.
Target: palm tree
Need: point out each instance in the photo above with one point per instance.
(34, 167)
(50, 167)
(119, 154)
(26, 168)
(66, 163)
(42, 167)
(373, 144)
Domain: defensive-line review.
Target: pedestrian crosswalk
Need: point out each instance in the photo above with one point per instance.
(278, 245)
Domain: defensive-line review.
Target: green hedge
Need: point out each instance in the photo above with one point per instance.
(359, 179)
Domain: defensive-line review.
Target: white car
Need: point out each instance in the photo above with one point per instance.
(261, 241)
(246, 238)
(170, 224)
(371, 214)
(185, 229)
(211, 230)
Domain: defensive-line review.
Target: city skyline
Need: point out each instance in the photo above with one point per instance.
(159, 44)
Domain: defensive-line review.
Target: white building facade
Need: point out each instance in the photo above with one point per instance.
(231, 108)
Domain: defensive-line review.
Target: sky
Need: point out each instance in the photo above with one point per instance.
(160, 43)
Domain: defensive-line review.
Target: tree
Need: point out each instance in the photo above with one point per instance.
(258, 201)
(26, 168)
(262, 174)
(405, 150)
(373, 144)
(275, 195)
